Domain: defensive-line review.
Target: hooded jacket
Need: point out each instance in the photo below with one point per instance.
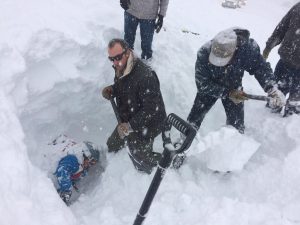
(219, 81)
(287, 33)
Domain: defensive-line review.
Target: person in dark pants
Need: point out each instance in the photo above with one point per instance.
(287, 71)
(220, 68)
(140, 105)
(145, 14)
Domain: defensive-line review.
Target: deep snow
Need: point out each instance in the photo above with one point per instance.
(53, 64)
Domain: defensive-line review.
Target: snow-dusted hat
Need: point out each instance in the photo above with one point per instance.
(223, 48)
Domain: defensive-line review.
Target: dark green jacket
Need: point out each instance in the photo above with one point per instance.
(140, 101)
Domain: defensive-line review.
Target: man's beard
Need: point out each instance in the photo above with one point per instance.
(120, 69)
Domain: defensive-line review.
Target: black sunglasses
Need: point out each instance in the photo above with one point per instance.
(117, 57)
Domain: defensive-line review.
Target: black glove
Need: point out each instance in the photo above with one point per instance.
(159, 23)
(125, 4)
(65, 196)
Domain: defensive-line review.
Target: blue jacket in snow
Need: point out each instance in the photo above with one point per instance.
(219, 81)
(67, 172)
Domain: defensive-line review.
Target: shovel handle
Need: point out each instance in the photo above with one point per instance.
(258, 97)
(114, 106)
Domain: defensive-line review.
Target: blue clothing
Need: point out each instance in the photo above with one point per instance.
(147, 27)
(215, 82)
(67, 167)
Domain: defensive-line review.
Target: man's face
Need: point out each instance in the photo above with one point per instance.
(118, 56)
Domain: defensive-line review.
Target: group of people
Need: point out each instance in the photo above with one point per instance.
(219, 70)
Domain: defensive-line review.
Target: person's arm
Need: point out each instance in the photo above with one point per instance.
(203, 76)
(278, 34)
(65, 168)
(163, 7)
(264, 75)
(150, 95)
(257, 66)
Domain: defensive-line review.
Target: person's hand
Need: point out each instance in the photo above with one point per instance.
(124, 129)
(237, 96)
(125, 4)
(265, 53)
(277, 98)
(65, 196)
(107, 92)
(159, 23)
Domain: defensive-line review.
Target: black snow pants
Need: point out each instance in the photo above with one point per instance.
(288, 80)
(203, 103)
(140, 150)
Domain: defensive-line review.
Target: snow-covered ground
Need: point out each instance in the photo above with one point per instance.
(53, 65)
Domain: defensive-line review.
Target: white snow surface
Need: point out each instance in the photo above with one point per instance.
(53, 65)
(226, 149)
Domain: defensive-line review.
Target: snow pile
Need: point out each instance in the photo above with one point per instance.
(227, 149)
(27, 195)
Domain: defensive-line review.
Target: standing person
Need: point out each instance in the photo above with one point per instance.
(220, 68)
(140, 105)
(287, 71)
(149, 15)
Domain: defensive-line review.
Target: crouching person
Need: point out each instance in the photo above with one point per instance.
(140, 106)
(78, 159)
(220, 67)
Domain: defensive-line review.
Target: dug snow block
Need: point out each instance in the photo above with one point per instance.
(227, 149)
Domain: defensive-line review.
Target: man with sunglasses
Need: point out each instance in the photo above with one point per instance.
(220, 67)
(140, 105)
(149, 16)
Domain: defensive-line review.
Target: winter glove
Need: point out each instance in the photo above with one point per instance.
(124, 129)
(65, 196)
(266, 53)
(277, 98)
(159, 23)
(237, 96)
(125, 4)
(107, 92)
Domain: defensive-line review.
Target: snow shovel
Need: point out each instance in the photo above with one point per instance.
(167, 156)
(137, 163)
